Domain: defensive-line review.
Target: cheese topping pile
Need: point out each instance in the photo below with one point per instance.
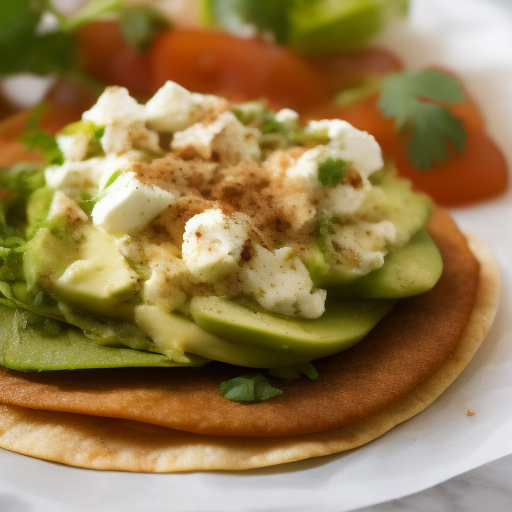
(203, 197)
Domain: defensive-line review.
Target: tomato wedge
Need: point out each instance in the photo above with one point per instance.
(348, 69)
(105, 53)
(240, 69)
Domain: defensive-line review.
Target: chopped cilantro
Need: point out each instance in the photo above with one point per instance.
(112, 178)
(274, 133)
(252, 387)
(36, 138)
(413, 99)
(332, 171)
(295, 371)
(87, 202)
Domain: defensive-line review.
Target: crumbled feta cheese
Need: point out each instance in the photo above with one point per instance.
(170, 108)
(173, 108)
(62, 205)
(74, 175)
(111, 164)
(343, 200)
(119, 139)
(129, 205)
(226, 137)
(74, 147)
(358, 147)
(115, 106)
(213, 243)
(363, 245)
(163, 288)
(281, 283)
(288, 117)
(306, 167)
(92, 173)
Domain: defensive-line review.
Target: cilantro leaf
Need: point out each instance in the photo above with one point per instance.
(412, 98)
(252, 387)
(295, 371)
(332, 171)
(36, 138)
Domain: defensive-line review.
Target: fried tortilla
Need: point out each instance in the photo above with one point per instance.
(176, 420)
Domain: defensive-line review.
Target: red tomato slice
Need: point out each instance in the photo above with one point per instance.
(347, 69)
(107, 55)
(480, 173)
(240, 69)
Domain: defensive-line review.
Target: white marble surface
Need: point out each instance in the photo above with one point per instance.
(487, 488)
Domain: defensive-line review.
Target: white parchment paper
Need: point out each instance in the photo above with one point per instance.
(474, 38)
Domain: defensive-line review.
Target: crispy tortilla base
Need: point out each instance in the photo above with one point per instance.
(92, 441)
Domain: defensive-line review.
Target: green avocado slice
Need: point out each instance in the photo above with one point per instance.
(344, 323)
(26, 348)
(409, 270)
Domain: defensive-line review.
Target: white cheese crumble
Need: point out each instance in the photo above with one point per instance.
(306, 167)
(343, 199)
(173, 108)
(129, 205)
(288, 117)
(115, 106)
(92, 173)
(358, 147)
(226, 138)
(213, 243)
(62, 205)
(74, 147)
(124, 121)
(281, 283)
(364, 244)
(118, 139)
(74, 175)
(164, 288)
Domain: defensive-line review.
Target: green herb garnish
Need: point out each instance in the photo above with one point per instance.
(295, 371)
(332, 171)
(36, 138)
(112, 178)
(412, 98)
(252, 387)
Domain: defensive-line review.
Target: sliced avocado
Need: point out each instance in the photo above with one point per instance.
(178, 338)
(47, 256)
(328, 26)
(26, 347)
(344, 323)
(409, 270)
(312, 26)
(391, 199)
(394, 200)
(100, 279)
